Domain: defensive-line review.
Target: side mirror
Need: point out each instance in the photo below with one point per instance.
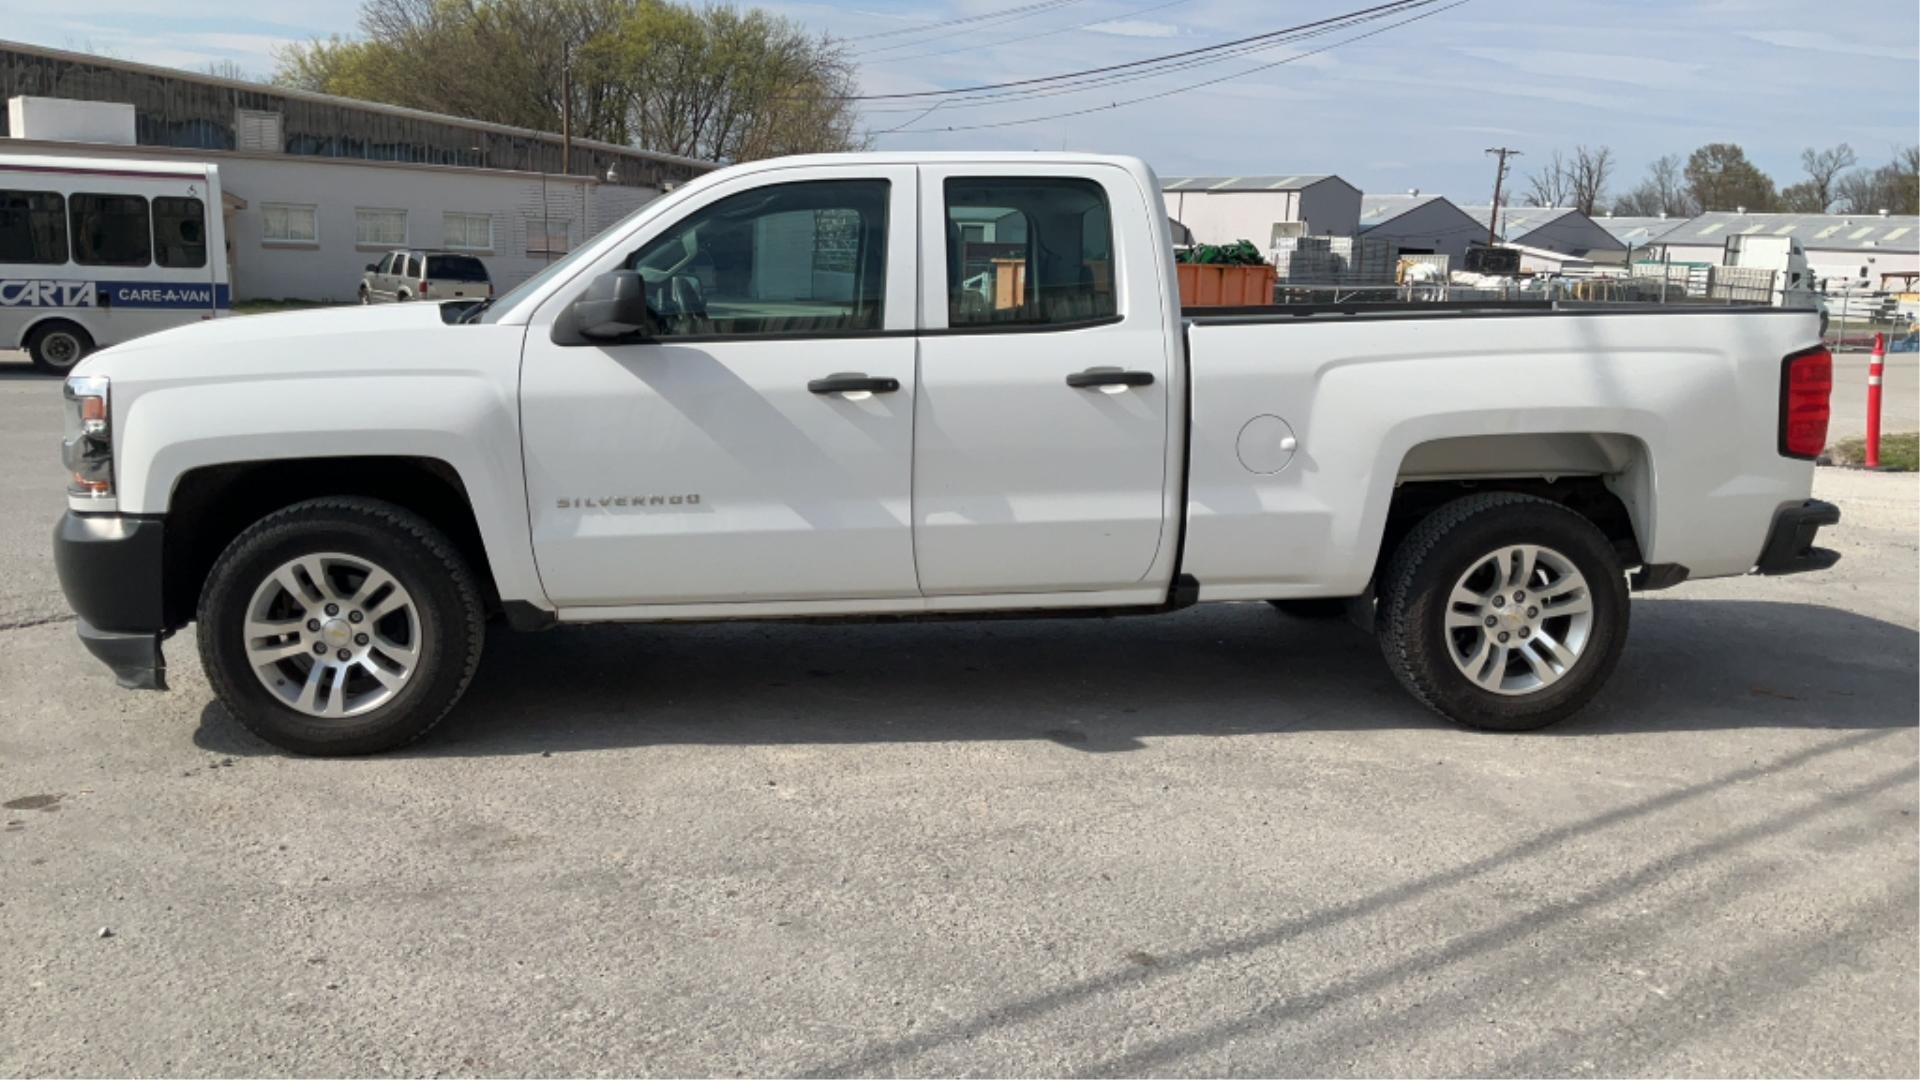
(373, 268)
(613, 307)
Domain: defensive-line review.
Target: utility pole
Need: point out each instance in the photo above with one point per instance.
(566, 110)
(1493, 215)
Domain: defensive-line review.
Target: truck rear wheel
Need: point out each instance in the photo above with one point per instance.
(55, 347)
(1503, 611)
(340, 626)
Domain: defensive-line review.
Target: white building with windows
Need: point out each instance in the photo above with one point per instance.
(316, 187)
(1844, 251)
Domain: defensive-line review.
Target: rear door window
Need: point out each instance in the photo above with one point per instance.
(110, 230)
(1028, 251)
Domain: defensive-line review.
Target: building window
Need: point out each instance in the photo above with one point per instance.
(469, 232)
(547, 236)
(379, 227)
(179, 231)
(33, 227)
(110, 230)
(288, 223)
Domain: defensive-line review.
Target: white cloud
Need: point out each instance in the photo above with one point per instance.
(1139, 28)
(1820, 41)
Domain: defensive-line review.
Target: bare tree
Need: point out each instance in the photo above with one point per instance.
(1550, 184)
(1587, 177)
(1893, 187)
(228, 69)
(1662, 192)
(1822, 168)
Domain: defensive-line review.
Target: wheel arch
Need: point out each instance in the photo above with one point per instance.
(1606, 477)
(212, 504)
(53, 318)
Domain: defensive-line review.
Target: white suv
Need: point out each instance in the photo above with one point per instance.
(425, 275)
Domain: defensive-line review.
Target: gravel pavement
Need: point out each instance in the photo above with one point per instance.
(1217, 842)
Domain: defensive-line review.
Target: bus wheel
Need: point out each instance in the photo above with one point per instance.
(56, 346)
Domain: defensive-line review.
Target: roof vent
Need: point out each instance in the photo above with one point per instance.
(1415, 192)
(1663, 215)
(1883, 211)
(1739, 209)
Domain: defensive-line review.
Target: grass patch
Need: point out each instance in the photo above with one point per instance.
(1898, 453)
(264, 307)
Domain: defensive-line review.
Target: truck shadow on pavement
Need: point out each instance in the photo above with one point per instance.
(1104, 686)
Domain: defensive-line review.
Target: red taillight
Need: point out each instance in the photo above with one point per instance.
(423, 288)
(1806, 384)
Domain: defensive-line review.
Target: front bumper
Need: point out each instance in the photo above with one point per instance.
(1789, 548)
(110, 570)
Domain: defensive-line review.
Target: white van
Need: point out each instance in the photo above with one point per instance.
(94, 251)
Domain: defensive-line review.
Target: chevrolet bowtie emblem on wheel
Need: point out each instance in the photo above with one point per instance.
(622, 502)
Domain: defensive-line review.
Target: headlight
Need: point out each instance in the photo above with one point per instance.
(87, 442)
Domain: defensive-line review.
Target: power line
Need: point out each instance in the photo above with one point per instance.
(1021, 10)
(1023, 37)
(975, 101)
(1181, 89)
(1362, 14)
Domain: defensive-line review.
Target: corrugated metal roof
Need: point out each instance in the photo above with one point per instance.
(1375, 209)
(1638, 231)
(1816, 232)
(1277, 182)
(1518, 221)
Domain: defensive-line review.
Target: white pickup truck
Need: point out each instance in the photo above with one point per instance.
(886, 385)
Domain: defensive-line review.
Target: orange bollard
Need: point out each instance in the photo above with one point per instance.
(1876, 369)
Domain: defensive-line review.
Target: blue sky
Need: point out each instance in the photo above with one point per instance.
(1413, 107)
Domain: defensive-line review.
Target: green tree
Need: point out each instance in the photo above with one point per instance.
(1802, 198)
(1719, 177)
(712, 82)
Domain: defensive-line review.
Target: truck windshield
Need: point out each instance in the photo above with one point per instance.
(455, 268)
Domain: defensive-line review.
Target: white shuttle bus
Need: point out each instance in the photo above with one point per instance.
(94, 251)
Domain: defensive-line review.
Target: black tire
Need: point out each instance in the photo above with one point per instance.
(55, 347)
(1318, 607)
(1416, 589)
(450, 610)
(366, 297)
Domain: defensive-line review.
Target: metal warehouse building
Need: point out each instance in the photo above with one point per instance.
(1263, 209)
(1872, 251)
(1560, 229)
(317, 186)
(1423, 224)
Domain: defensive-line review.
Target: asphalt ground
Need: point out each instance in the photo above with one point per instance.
(1216, 842)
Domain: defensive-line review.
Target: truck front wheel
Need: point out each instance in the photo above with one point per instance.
(340, 626)
(1503, 611)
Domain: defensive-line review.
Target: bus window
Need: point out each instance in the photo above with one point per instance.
(110, 230)
(33, 227)
(179, 231)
